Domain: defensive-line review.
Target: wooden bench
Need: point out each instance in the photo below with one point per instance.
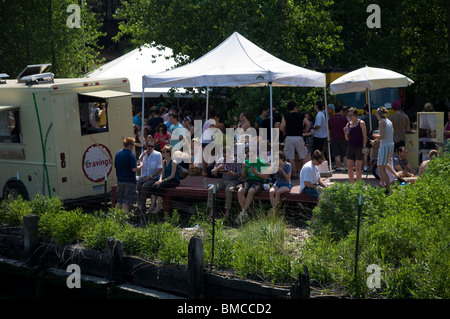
(192, 188)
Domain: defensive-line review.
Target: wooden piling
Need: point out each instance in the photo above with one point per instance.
(115, 253)
(300, 289)
(30, 238)
(195, 269)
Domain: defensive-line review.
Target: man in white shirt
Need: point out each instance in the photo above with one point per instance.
(310, 182)
(151, 170)
(320, 128)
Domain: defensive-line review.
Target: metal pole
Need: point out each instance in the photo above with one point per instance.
(142, 128)
(328, 130)
(106, 183)
(213, 224)
(357, 235)
(207, 101)
(271, 125)
(370, 111)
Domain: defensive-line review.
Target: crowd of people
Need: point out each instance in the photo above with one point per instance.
(152, 155)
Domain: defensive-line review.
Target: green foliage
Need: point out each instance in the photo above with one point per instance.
(65, 227)
(259, 250)
(38, 33)
(406, 234)
(12, 211)
(419, 29)
(299, 32)
(338, 207)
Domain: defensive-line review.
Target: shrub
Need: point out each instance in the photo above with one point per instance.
(405, 233)
(338, 207)
(65, 227)
(12, 211)
(97, 236)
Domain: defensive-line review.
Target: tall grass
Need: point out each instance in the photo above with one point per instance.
(406, 234)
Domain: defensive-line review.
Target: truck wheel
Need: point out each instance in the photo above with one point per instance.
(15, 188)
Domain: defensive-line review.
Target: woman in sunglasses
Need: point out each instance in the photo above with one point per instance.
(169, 178)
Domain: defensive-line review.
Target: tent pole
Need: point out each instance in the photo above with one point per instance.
(370, 110)
(142, 128)
(207, 101)
(328, 130)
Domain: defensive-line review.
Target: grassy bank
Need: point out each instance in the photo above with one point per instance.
(406, 235)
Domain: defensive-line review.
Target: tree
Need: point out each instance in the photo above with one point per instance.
(299, 32)
(413, 39)
(37, 32)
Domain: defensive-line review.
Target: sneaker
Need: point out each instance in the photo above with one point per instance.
(338, 169)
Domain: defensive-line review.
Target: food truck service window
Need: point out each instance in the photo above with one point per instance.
(10, 125)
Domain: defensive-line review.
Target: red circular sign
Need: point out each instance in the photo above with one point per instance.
(97, 162)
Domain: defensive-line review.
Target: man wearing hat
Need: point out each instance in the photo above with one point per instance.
(400, 123)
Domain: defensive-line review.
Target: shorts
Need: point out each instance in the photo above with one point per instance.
(318, 143)
(354, 153)
(257, 185)
(294, 144)
(339, 148)
(283, 185)
(126, 193)
(384, 154)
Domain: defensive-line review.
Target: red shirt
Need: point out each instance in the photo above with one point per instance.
(336, 126)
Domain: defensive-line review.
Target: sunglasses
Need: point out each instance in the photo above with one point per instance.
(152, 146)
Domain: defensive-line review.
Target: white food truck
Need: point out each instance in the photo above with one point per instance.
(58, 137)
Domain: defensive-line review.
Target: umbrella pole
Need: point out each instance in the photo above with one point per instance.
(207, 101)
(271, 124)
(328, 130)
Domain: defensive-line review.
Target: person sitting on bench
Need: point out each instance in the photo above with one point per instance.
(252, 172)
(231, 174)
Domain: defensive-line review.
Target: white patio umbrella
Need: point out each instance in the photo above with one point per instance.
(368, 79)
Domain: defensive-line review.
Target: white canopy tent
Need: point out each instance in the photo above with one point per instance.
(146, 59)
(368, 79)
(237, 62)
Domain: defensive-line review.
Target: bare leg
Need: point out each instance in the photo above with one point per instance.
(280, 191)
(241, 197)
(249, 199)
(351, 176)
(358, 166)
(384, 176)
(153, 205)
(159, 200)
(272, 192)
